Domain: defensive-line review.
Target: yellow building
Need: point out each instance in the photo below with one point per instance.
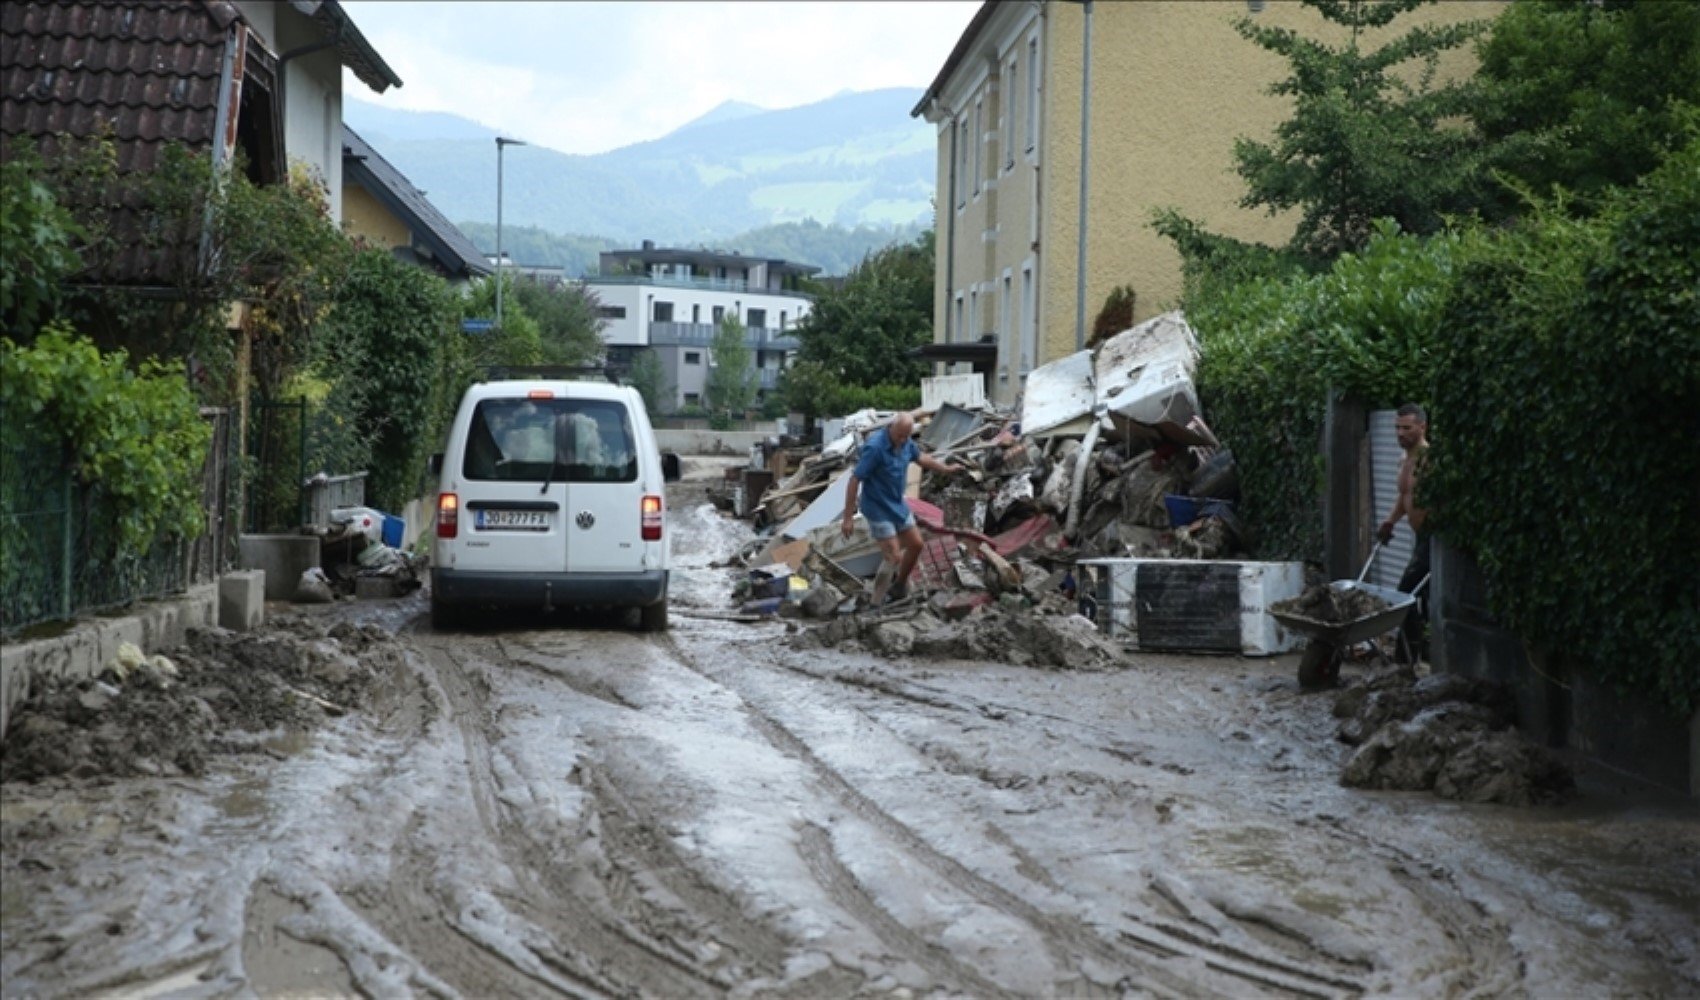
(1172, 85)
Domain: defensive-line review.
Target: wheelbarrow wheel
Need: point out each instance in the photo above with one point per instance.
(1320, 665)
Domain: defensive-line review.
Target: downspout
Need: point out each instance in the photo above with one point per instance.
(223, 137)
(950, 225)
(1085, 161)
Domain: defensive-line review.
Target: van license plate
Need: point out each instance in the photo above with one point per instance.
(513, 520)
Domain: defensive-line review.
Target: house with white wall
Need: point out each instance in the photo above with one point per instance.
(312, 40)
(671, 301)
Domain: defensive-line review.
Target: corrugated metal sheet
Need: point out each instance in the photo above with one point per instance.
(1384, 458)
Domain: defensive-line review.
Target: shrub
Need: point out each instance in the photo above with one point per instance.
(138, 433)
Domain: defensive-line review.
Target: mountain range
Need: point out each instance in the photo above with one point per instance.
(850, 173)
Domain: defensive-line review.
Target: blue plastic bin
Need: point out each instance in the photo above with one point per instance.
(1185, 510)
(393, 529)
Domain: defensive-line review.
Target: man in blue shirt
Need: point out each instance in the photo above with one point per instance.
(879, 478)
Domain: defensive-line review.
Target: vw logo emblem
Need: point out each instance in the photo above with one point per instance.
(585, 519)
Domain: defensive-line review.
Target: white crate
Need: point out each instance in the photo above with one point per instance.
(966, 391)
(1260, 585)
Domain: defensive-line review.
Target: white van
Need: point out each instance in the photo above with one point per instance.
(552, 495)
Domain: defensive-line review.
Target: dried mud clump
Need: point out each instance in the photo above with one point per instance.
(1447, 734)
(1024, 638)
(1325, 603)
(129, 723)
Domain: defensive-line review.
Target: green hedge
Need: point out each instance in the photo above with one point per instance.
(1567, 424)
(1273, 348)
(1560, 360)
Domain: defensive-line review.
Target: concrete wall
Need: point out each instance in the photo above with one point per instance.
(89, 645)
(1559, 703)
(710, 442)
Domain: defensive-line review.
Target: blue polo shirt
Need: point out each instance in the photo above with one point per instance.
(882, 470)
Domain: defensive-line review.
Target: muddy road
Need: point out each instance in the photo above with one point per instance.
(573, 808)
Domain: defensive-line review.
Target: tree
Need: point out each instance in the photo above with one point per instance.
(1585, 95)
(650, 380)
(861, 332)
(732, 381)
(1372, 135)
(568, 328)
(519, 340)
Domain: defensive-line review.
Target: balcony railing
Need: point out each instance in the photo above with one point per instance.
(757, 338)
(695, 281)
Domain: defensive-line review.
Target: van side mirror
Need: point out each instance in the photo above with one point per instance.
(670, 467)
(435, 464)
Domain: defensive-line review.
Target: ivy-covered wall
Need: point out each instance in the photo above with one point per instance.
(1560, 360)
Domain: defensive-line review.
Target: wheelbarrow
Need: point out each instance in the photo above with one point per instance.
(1329, 641)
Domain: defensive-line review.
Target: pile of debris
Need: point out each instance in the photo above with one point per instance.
(1444, 733)
(360, 557)
(221, 692)
(1107, 456)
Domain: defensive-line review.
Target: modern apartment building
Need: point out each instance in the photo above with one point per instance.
(1172, 85)
(672, 300)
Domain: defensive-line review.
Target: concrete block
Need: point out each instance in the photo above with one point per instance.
(86, 646)
(242, 600)
(374, 588)
(283, 558)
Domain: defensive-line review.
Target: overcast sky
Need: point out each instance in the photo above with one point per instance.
(589, 77)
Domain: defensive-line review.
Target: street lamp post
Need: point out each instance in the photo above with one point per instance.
(501, 144)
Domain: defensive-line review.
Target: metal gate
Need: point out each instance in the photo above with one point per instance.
(1385, 455)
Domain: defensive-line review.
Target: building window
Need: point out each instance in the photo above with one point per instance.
(783, 321)
(611, 312)
(757, 319)
(696, 314)
(1032, 92)
(1029, 319)
(961, 164)
(693, 357)
(1004, 314)
(1006, 135)
(719, 314)
(972, 331)
(956, 331)
(979, 144)
(663, 312)
(693, 399)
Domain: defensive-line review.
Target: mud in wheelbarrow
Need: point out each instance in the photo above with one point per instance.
(1329, 640)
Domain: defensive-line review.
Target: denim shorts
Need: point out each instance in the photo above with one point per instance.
(881, 530)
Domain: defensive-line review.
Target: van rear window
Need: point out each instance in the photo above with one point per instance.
(554, 440)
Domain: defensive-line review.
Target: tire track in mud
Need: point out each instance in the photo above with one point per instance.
(847, 891)
(1248, 964)
(598, 952)
(1070, 942)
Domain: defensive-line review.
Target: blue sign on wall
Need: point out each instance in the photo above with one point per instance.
(477, 325)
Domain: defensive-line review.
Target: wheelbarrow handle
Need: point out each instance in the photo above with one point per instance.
(1373, 552)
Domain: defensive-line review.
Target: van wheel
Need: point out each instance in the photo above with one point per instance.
(654, 617)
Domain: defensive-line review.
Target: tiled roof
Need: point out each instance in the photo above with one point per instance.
(149, 70)
(146, 72)
(452, 248)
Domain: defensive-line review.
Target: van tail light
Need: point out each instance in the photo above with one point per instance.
(448, 515)
(652, 518)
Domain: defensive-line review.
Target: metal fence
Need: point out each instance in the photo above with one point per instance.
(59, 551)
